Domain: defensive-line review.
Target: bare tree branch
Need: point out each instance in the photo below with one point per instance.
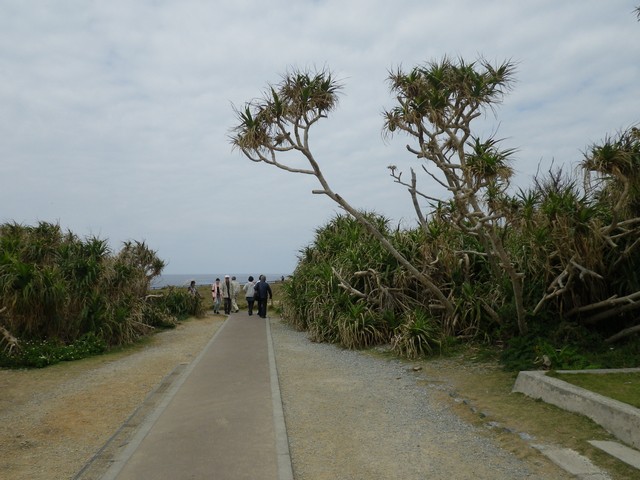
(614, 303)
(627, 332)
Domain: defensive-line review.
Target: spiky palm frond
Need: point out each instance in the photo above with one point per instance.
(301, 98)
(487, 161)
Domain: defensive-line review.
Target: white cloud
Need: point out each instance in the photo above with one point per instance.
(114, 116)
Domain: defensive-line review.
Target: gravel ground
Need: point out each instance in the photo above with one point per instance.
(349, 415)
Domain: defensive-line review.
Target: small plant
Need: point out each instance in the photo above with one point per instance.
(359, 327)
(417, 336)
(42, 353)
(535, 352)
(563, 358)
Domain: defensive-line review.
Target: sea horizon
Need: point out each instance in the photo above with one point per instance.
(183, 279)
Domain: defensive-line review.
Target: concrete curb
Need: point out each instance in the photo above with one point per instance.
(620, 419)
(285, 468)
(574, 463)
(627, 455)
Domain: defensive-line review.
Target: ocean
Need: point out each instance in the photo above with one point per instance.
(183, 280)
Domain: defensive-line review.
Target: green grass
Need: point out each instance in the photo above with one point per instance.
(624, 387)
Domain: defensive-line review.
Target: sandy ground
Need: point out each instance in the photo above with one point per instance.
(356, 416)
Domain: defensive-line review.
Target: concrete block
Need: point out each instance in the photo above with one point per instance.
(574, 463)
(621, 452)
(620, 419)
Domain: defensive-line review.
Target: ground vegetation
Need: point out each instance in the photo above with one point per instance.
(63, 297)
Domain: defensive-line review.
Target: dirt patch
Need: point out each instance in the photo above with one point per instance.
(357, 416)
(55, 419)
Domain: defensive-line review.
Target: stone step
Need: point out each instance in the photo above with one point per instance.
(574, 463)
(628, 455)
(620, 419)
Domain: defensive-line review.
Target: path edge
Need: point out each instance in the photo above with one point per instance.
(285, 469)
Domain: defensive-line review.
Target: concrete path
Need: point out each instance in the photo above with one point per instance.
(222, 420)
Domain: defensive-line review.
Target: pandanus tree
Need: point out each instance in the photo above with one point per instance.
(55, 285)
(280, 122)
(435, 105)
(612, 171)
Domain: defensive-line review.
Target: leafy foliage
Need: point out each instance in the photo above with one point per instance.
(62, 297)
(418, 335)
(483, 264)
(43, 353)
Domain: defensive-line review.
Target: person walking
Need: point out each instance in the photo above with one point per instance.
(234, 298)
(216, 293)
(248, 293)
(227, 294)
(263, 291)
(192, 289)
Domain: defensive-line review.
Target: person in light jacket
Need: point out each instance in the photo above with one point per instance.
(248, 293)
(234, 298)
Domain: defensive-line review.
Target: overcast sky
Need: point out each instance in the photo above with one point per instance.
(115, 115)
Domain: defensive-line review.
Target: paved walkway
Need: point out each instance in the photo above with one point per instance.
(221, 420)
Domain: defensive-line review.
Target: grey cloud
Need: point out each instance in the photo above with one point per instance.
(114, 116)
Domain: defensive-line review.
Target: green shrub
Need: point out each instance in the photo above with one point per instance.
(180, 303)
(360, 327)
(54, 285)
(534, 352)
(42, 353)
(417, 336)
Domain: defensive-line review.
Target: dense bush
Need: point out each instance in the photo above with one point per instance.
(63, 297)
(580, 254)
(348, 290)
(481, 263)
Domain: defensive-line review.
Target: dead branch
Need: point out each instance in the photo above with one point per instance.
(612, 301)
(11, 342)
(557, 287)
(561, 283)
(471, 252)
(388, 298)
(416, 205)
(612, 313)
(626, 252)
(623, 333)
(585, 271)
(491, 312)
(346, 286)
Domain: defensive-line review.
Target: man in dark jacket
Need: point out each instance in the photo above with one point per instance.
(262, 294)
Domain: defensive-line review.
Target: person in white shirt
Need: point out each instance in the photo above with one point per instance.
(235, 288)
(248, 293)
